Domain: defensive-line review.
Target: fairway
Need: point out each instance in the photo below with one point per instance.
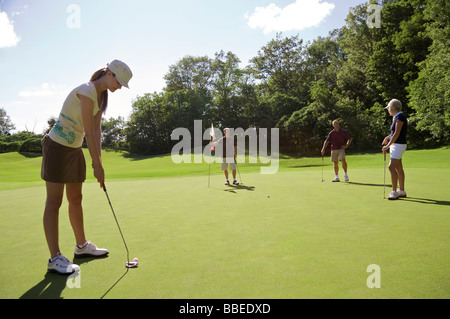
(285, 235)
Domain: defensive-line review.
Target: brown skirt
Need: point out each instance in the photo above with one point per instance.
(62, 164)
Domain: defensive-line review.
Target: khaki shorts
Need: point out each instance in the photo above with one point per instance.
(62, 164)
(338, 155)
(224, 165)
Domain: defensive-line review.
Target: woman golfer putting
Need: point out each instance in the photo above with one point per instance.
(63, 162)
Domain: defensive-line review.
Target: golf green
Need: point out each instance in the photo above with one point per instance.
(285, 235)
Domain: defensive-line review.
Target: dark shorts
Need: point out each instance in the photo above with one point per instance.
(62, 164)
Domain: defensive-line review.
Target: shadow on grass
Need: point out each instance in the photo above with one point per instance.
(369, 184)
(137, 157)
(50, 287)
(53, 284)
(85, 260)
(304, 166)
(427, 201)
(30, 155)
(233, 188)
(117, 281)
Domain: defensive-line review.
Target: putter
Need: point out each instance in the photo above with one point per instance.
(384, 188)
(240, 178)
(209, 174)
(129, 264)
(322, 170)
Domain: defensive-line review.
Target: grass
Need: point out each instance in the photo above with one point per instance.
(285, 235)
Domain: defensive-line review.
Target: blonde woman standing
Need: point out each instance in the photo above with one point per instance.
(63, 163)
(396, 143)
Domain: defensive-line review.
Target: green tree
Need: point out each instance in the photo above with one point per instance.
(148, 130)
(325, 58)
(279, 69)
(188, 91)
(228, 107)
(357, 41)
(50, 122)
(430, 93)
(6, 126)
(393, 64)
(113, 132)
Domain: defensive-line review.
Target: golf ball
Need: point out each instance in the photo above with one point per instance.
(135, 260)
(268, 196)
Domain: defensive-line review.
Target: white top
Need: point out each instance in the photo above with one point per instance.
(69, 129)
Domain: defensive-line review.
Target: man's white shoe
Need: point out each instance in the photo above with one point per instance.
(401, 193)
(336, 179)
(90, 250)
(62, 265)
(346, 178)
(393, 195)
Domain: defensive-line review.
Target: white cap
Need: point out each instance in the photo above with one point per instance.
(122, 72)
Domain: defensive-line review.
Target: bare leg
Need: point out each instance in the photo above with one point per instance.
(74, 196)
(226, 174)
(394, 176)
(51, 216)
(336, 168)
(401, 175)
(344, 165)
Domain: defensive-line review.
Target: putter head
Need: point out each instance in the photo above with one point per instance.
(131, 264)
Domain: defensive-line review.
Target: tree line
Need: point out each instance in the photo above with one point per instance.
(300, 88)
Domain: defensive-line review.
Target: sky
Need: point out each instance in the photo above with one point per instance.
(49, 47)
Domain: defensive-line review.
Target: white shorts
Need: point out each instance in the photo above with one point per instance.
(397, 150)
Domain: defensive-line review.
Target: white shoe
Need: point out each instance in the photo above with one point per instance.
(336, 179)
(90, 250)
(346, 178)
(401, 193)
(61, 265)
(393, 195)
(227, 182)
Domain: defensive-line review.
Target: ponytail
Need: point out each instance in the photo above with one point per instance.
(104, 99)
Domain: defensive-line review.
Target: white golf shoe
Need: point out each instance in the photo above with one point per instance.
(61, 265)
(393, 195)
(401, 193)
(336, 179)
(90, 250)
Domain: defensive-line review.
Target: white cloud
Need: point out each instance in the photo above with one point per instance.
(296, 16)
(45, 90)
(8, 37)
